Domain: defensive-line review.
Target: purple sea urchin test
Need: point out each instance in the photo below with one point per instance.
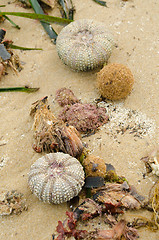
(56, 178)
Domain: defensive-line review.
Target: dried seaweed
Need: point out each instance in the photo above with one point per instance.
(13, 23)
(22, 48)
(42, 17)
(151, 205)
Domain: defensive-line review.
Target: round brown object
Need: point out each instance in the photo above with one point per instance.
(94, 166)
(115, 81)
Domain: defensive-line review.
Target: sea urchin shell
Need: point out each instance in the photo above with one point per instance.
(56, 178)
(84, 44)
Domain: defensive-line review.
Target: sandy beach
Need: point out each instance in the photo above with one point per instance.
(134, 25)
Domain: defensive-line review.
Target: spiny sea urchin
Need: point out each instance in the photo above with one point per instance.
(84, 44)
(56, 178)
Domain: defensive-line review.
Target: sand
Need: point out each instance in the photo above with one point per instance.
(134, 25)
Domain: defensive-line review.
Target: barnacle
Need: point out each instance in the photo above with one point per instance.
(51, 134)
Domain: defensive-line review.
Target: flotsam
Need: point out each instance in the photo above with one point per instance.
(94, 166)
(84, 117)
(115, 81)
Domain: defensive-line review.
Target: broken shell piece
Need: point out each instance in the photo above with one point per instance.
(152, 162)
(5, 210)
(94, 166)
(51, 134)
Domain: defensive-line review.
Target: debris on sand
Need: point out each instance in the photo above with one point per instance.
(51, 134)
(7, 56)
(84, 117)
(68, 229)
(65, 96)
(108, 201)
(94, 166)
(124, 120)
(152, 162)
(11, 202)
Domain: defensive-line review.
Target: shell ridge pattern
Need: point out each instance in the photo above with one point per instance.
(61, 179)
(82, 36)
(72, 186)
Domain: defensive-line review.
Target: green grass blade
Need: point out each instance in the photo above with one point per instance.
(41, 17)
(19, 89)
(62, 3)
(102, 3)
(22, 48)
(68, 8)
(48, 28)
(14, 24)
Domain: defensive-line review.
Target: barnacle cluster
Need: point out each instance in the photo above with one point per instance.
(51, 134)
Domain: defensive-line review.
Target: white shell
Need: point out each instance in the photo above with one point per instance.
(56, 177)
(84, 44)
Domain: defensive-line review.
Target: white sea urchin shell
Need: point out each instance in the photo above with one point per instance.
(84, 44)
(56, 177)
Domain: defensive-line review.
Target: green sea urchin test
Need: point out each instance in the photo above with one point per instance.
(84, 45)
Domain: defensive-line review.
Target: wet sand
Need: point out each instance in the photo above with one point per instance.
(134, 25)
